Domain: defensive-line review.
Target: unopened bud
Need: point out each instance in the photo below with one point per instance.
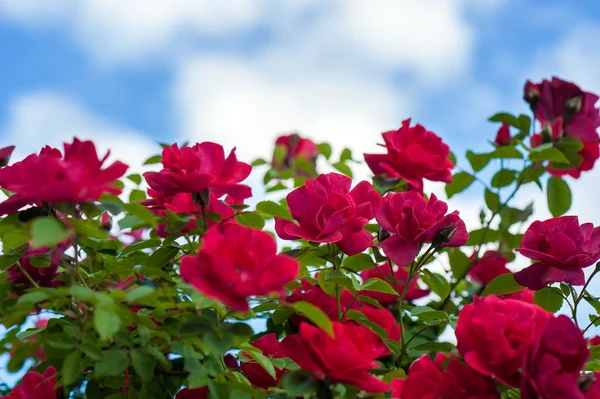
(531, 95)
(106, 221)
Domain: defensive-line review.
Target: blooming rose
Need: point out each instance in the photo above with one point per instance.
(344, 358)
(413, 220)
(314, 295)
(503, 135)
(328, 211)
(413, 154)
(561, 249)
(237, 262)
(294, 147)
(51, 177)
(491, 265)
(493, 335)
(43, 276)
(429, 379)
(36, 386)
(256, 374)
(558, 98)
(198, 393)
(199, 168)
(386, 320)
(399, 279)
(554, 362)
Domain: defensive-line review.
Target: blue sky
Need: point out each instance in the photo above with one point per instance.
(130, 73)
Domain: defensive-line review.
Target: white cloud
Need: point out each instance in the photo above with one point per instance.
(41, 118)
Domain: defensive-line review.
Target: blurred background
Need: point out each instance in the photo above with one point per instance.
(130, 74)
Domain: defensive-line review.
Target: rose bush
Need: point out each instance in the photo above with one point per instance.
(178, 284)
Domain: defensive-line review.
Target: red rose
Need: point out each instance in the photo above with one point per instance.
(294, 147)
(43, 276)
(256, 374)
(237, 262)
(400, 276)
(493, 335)
(589, 155)
(184, 204)
(314, 295)
(198, 393)
(386, 320)
(561, 249)
(199, 168)
(36, 386)
(328, 211)
(49, 177)
(503, 135)
(595, 340)
(555, 361)
(558, 98)
(5, 154)
(413, 220)
(448, 379)
(413, 154)
(345, 358)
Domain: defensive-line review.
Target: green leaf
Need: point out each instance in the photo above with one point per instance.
(346, 155)
(378, 285)
(72, 367)
(142, 364)
(274, 209)
(324, 149)
(502, 285)
(261, 359)
(532, 173)
(558, 195)
(445, 347)
(343, 168)
(250, 219)
(315, 315)
(492, 200)
(482, 236)
(32, 297)
(139, 292)
(548, 298)
(258, 162)
(459, 262)
(137, 195)
(162, 256)
(460, 182)
(47, 232)
(153, 160)
(436, 282)
(506, 118)
(137, 179)
(299, 383)
(106, 323)
(114, 362)
(142, 212)
(549, 154)
(358, 262)
(503, 178)
(569, 143)
(427, 314)
(506, 152)
(478, 161)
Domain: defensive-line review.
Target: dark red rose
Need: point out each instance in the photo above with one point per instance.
(43, 276)
(185, 204)
(5, 154)
(386, 320)
(328, 211)
(256, 374)
(293, 147)
(413, 220)
(554, 362)
(413, 154)
(561, 249)
(237, 262)
(503, 135)
(400, 277)
(491, 265)
(433, 380)
(558, 98)
(36, 386)
(198, 393)
(345, 358)
(314, 295)
(591, 385)
(199, 168)
(493, 335)
(50, 178)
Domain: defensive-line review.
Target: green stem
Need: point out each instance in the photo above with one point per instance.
(27, 275)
